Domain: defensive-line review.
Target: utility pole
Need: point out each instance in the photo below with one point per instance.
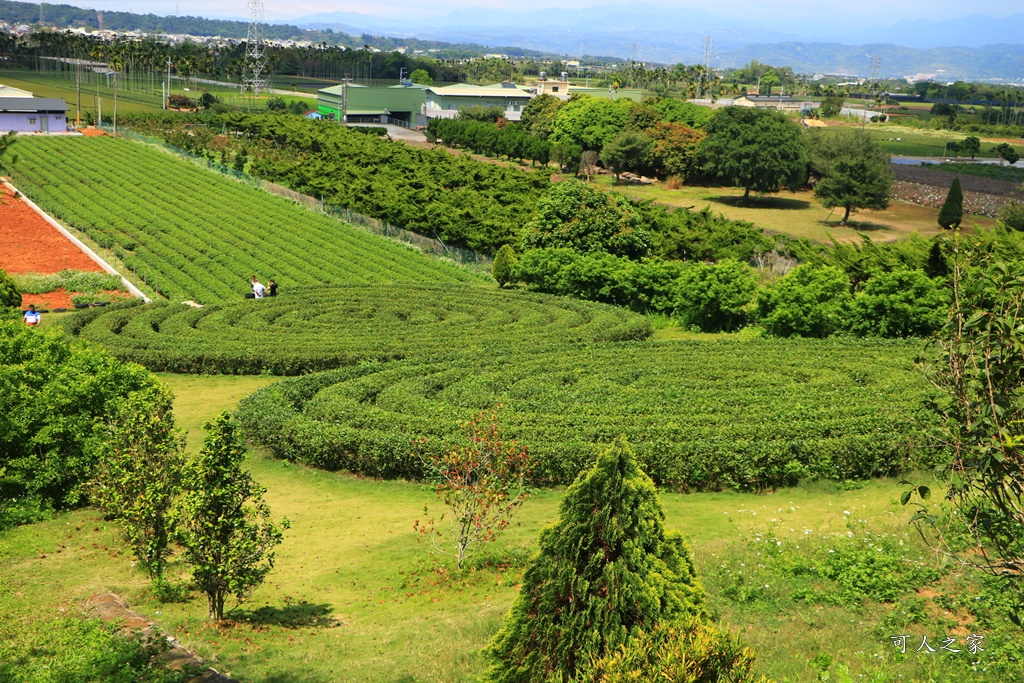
(78, 88)
(115, 102)
(344, 100)
(167, 96)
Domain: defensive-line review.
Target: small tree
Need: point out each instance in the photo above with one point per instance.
(626, 152)
(223, 523)
(852, 171)
(482, 485)
(606, 572)
(952, 211)
(421, 77)
(504, 266)
(138, 474)
(1007, 153)
(588, 163)
(10, 295)
(207, 100)
(970, 145)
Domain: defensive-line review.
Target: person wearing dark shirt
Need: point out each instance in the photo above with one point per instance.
(271, 288)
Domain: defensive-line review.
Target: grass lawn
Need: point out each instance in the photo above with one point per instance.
(355, 597)
(47, 85)
(128, 102)
(797, 214)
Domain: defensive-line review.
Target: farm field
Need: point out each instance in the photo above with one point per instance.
(205, 250)
(354, 597)
(731, 412)
(318, 328)
(797, 214)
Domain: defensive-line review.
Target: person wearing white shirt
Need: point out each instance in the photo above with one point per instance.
(32, 316)
(257, 288)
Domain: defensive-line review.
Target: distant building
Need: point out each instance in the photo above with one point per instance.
(33, 115)
(783, 102)
(445, 103)
(398, 104)
(8, 91)
(557, 87)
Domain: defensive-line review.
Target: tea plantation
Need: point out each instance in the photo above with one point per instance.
(319, 328)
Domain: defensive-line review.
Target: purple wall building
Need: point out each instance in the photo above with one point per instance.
(33, 115)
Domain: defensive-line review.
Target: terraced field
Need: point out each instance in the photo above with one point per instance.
(195, 235)
(318, 328)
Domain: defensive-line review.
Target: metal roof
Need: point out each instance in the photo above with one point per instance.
(32, 104)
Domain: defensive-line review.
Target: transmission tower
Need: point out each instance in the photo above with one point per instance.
(874, 68)
(255, 51)
(705, 77)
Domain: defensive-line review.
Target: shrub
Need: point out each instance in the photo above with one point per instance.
(690, 651)
(905, 303)
(54, 394)
(1012, 215)
(10, 294)
(504, 266)
(714, 297)
(807, 301)
(606, 571)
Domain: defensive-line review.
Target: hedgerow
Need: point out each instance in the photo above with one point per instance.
(191, 234)
(741, 414)
(318, 328)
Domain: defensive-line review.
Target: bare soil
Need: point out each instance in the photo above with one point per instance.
(28, 244)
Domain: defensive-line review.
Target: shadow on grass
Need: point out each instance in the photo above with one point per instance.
(859, 226)
(762, 202)
(293, 615)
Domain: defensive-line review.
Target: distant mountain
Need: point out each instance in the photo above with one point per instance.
(990, 62)
(977, 30)
(977, 46)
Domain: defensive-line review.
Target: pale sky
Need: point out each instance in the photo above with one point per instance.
(860, 12)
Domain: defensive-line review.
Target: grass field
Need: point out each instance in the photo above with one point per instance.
(355, 597)
(797, 214)
(133, 101)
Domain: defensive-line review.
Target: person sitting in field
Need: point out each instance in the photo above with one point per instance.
(257, 288)
(271, 288)
(32, 316)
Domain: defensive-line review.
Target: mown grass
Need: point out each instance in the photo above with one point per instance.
(796, 214)
(128, 101)
(356, 597)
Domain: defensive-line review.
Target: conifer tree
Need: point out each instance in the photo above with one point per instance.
(606, 571)
(503, 268)
(952, 211)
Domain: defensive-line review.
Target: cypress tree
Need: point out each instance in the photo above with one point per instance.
(504, 266)
(606, 571)
(952, 211)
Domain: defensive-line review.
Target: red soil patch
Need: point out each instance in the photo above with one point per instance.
(91, 132)
(28, 244)
(60, 299)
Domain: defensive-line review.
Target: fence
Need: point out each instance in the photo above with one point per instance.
(432, 247)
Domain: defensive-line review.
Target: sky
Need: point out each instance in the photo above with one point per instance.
(860, 12)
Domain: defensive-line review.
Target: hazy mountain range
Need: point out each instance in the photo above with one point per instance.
(985, 47)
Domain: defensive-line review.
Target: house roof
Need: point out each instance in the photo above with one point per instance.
(466, 90)
(773, 99)
(32, 104)
(8, 91)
